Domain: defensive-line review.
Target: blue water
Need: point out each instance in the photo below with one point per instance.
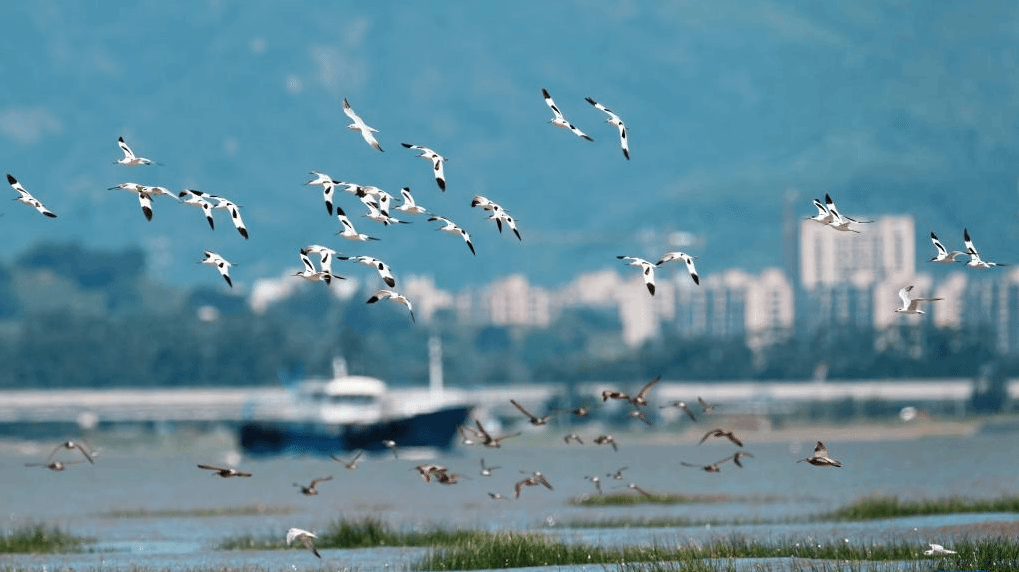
(153, 476)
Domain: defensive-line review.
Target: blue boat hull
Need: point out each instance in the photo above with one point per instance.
(437, 429)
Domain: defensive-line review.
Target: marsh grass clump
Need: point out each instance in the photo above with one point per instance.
(38, 538)
(365, 533)
(879, 507)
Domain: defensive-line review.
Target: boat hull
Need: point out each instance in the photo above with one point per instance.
(436, 429)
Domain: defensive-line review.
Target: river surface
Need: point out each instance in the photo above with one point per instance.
(123, 500)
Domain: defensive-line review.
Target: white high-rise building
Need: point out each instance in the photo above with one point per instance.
(883, 250)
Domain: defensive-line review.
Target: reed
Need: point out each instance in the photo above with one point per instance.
(365, 533)
(38, 538)
(878, 507)
(614, 499)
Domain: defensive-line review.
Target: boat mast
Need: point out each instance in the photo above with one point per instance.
(435, 367)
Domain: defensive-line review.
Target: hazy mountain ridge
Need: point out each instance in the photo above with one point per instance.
(891, 110)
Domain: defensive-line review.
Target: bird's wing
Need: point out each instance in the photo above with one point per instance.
(551, 104)
(522, 410)
(647, 387)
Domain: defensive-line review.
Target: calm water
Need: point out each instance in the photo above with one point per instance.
(129, 476)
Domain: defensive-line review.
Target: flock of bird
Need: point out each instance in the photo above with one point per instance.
(381, 209)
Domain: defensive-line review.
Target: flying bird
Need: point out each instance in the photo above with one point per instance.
(54, 465)
(488, 440)
(222, 264)
(535, 479)
(130, 159)
(351, 464)
(381, 267)
(348, 231)
(937, 549)
(409, 205)
(437, 161)
(359, 125)
(671, 256)
(823, 215)
(573, 437)
(325, 255)
(536, 421)
(311, 489)
(838, 221)
(820, 457)
(647, 270)
(681, 405)
(26, 197)
(943, 255)
(235, 214)
(721, 433)
(614, 120)
(306, 538)
(395, 297)
(452, 228)
(328, 187)
(312, 274)
(606, 440)
(196, 198)
(974, 257)
(145, 195)
(72, 445)
(486, 470)
(558, 120)
(911, 305)
(224, 472)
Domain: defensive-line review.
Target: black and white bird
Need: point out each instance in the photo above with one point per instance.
(381, 267)
(498, 214)
(823, 216)
(943, 255)
(647, 270)
(838, 221)
(197, 199)
(437, 161)
(312, 274)
(325, 254)
(676, 255)
(393, 296)
(348, 231)
(359, 125)
(974, 257)
(129, 158)
(306, 538)
(26, 197)
(145, 194)
(911, 305)
(328, 187)
(235, 213)
(614, 120)
(452, 228)
(408, 205)
(558, 119)
(221, 264)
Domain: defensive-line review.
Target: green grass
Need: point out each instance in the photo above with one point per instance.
(365, 533)
(513, 550)
(877, 507)
(615, 499)
(250, 510)
(38, 538)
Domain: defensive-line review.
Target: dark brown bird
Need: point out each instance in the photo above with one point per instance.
(54, 465)
(351, 464)
(705, 406)
(573, 437)
(821, 458)
(535, 479)
(536, 421)
(720, 433)
(312, 488)
(681, 405)
(606, 440)
(224, 471)
(487, 439)
(641, 491)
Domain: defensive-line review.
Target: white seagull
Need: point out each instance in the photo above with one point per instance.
(359, 125)
(348, 231)
(27, 198)
(558, 120)
(220, 263)
(307, 538)
(437, 161)
(328, 186)
(452, 228)
(974, 257)
(196, 198)
(614, 120)
(395, 297)
(408, 205)
(129, 157)
(937, 549)
(647, 269)
(911, 305)
(944, 256)
(676, 255)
